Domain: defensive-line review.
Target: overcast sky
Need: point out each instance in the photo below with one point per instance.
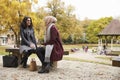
(92, 9)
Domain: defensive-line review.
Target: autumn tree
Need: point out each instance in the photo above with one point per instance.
(14, 11)
(67, 23)
(55, 7)
(39, 24)
(95, 27)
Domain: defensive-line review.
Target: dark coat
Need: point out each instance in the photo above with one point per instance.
(57, 52)
(27, 36)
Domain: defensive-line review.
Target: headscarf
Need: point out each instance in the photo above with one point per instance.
(50, 19)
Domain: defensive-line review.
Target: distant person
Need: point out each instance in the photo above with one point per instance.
(83, 47)
(103, 51)
(86, 48)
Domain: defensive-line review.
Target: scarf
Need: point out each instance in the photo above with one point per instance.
(47, 33)
(48, 48)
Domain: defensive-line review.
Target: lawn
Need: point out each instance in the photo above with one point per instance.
(85, 60)
(2, 50)
(66, 47)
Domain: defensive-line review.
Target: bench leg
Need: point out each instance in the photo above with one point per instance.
(19, 56)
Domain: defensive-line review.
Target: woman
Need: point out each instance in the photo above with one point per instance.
(52, 38)
(28, 41)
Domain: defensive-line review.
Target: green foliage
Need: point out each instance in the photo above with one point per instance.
(96, 27)
(55, 7)
(67, 23)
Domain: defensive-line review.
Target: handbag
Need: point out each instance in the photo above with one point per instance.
(10, 61)
(33, 66)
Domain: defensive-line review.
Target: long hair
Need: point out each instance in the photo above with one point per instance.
(24, 24)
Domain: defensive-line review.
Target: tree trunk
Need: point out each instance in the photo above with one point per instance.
(17, 38)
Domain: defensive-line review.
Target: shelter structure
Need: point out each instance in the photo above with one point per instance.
(111, 31)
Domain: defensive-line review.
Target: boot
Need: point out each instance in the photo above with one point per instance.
(42, 70)
(45, 68)
(25, 65)
(25, 62)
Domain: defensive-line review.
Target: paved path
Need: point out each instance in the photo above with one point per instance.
(89, 56)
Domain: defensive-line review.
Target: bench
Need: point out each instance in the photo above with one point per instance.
(113, 53)
(15, 52)
(116, 61)
(66, 52)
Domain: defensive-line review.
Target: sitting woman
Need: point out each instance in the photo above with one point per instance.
(28, 41)
(53, 45)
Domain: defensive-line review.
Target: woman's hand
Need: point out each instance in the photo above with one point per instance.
(32, 45)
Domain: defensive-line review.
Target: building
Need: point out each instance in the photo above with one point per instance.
(7, 38)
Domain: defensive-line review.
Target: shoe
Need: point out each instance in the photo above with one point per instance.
(25, 64)
(44, 69)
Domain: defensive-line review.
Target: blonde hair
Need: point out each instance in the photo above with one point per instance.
(50, 19)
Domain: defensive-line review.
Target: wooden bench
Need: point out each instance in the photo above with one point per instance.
(116, 61)
(112, 54)
(66, 52)
(15, 52)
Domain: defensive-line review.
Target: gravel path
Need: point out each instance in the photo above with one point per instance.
(67, 70)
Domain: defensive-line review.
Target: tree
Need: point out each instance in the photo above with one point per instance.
(39, 23)
(14, 11)
(67, 23)
(55, 7)
(95, 27)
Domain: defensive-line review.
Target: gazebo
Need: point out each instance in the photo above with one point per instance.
(112, 30)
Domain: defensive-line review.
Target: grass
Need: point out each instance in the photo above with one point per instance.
(78, 46)
(115, 52)
(2, 50)
(104, 57)
(68, 47)
(83, 60)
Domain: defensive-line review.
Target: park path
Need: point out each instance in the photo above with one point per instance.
(89, 56)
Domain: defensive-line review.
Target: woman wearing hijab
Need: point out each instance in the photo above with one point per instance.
(53, 45)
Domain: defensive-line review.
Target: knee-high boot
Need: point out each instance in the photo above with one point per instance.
(25, 58)
(24, 61)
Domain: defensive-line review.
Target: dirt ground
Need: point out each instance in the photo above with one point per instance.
(67, 70)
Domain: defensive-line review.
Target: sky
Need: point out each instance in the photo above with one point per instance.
(92, 9)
